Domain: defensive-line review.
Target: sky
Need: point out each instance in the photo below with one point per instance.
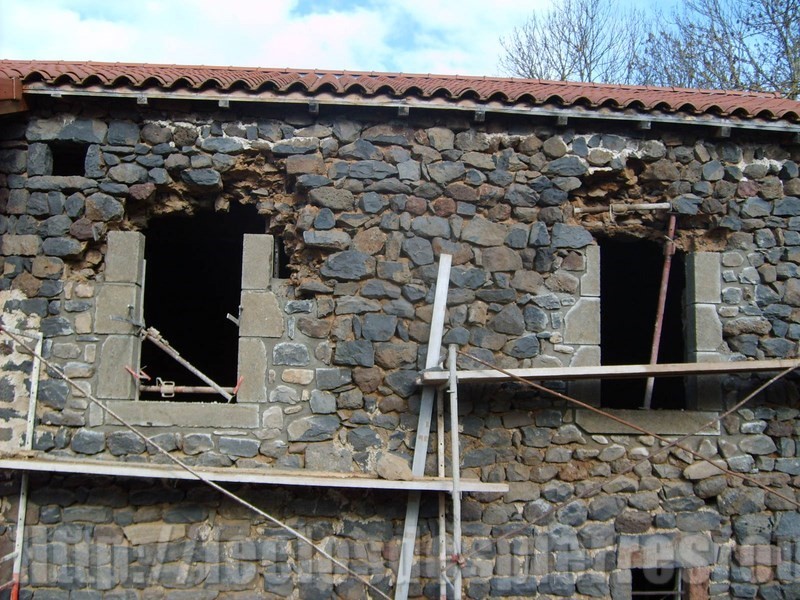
(411, 36)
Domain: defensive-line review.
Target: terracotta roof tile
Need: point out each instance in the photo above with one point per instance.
(400, 85)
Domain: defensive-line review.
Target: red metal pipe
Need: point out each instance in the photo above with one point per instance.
(669, 250)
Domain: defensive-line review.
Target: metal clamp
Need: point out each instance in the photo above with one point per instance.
(166, 388)
(130, 319)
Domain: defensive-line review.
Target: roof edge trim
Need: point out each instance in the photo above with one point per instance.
(602, 114)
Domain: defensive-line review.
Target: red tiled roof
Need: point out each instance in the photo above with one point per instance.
(255, 81)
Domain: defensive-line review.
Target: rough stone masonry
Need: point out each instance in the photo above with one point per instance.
(364, 206)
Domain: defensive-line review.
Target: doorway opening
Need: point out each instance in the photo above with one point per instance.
(192, 281)
(630, 279)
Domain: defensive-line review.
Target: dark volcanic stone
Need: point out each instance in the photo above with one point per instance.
(349, 265)
(355, 353)
(570, 236)
(567, 166)
(419, 250)
(88, 442)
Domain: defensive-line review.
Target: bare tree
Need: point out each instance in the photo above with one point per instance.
(583, 40)
(723, 44)
(727, 44)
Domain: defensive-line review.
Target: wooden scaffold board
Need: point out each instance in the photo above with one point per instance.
(430, 377)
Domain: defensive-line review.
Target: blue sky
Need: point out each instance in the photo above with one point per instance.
(412, 36)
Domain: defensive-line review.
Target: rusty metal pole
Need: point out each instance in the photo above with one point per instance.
(154, 336)
(669, 251)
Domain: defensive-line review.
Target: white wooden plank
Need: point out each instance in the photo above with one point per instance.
(423, 428)
(455, 458)
(613, 371)
(233, 475)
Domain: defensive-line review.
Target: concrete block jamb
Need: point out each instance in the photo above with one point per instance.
(119, 297)
(587, 391)
(257, 261)
(705, 393)
(582, 322)
(253, 368)
(705, 329)
(113, 381)
(125, 257)
(117, 301)
(261, 315)
(704, 275)
(590, 281)
(704, 340)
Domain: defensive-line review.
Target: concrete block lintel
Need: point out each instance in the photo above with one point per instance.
(257, 261)
(125, 257)
(158, 413)
(656, 550)
(663, 422)
(703, 278)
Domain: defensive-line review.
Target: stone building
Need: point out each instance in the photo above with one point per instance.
(284, 232)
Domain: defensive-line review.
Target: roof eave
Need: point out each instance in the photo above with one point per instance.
(563, 115)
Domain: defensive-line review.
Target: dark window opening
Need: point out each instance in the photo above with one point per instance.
(69, 159)
(192, 281)
(282, 270)
(656, 584)
(630, 278)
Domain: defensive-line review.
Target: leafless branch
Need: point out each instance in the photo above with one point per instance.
(723, 44)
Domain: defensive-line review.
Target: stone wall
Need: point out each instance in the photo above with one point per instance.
(330, 355)
(134, 538)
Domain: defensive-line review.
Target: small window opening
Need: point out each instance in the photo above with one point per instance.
(656, 584)
(192, 281)
(69, 159)
(282, 270)
(630, 279)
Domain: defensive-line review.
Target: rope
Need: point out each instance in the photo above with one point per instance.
(675, 443)
(55, 369)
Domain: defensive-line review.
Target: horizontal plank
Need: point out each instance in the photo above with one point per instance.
(234, 475)
(613, 371)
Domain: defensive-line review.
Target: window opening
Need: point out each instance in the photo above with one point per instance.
(192, 281)
(69, 158)
(630, 277)
(656, 584)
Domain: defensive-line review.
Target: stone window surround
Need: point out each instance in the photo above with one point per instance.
(703, 339)
(122, 290)
(121, 293)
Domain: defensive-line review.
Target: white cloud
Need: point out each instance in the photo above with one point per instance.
(421, 36)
